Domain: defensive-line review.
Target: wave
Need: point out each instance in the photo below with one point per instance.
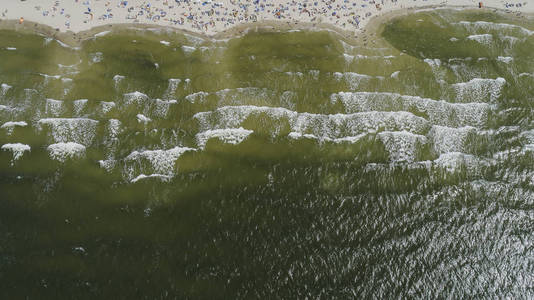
(354, 80)
(479, 89)
(438, 112)
(63, 130)
(484, 39)
(17, 150)
(10, 126)
(447, 139)
(152, 162)
(54, 108)
(486, 26)
(402, 146)
(323, 126)
(65, 151)
(229, 135)
(79, 107)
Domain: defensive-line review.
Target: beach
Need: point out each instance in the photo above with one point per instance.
(214, 18)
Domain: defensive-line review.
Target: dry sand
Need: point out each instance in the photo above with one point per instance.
(75, 20)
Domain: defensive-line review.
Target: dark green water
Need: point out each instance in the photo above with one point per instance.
(276, 165)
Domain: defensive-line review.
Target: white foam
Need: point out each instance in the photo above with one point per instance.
(453, 161)
(151, 108)
(509, 153)
(154, 161)
(161, 108)
(63, 151)
(485, 39)
(171, 88)
(117, 79)
(510, 40)
(7, 109)
(482, 25)
(314, 74)
(505, 59)
(297, 74)
(79, 106)
(395, 74)
(435, 65)
(10, 126)
(439, 112)
(17, 150)
(66, 80)
(11, 48)
(238, 96)
(195, 40)
(447, 139)
(298, 136)
(107, 164)
(188, 49)
(63, 130)
(54, 108)
(142, 119)
(164, 43)
(528, 143)
(354, 80)
(402, 146)
(322, 126)
(348, 58)
(48, 77)
(61, 66)
(106, 107)
(111, 142)
(229, 135)
(5, 88)
(380, 57)
(244, 96)
(288, 99)
(323, 139)
(96, 57)
(164, 178)
(114, 128)
(199, 97)
(135, 98)
(479, 89)
(65, 45)
(101, 34)
(460, 59)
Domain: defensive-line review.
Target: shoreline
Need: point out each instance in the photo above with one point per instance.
(356, 37)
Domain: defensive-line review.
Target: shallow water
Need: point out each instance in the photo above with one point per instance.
(154, 165)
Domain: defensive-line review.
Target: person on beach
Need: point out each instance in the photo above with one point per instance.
(210, 16)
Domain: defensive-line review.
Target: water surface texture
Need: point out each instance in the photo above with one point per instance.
(156, 165)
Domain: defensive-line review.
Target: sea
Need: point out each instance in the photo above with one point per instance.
(154, 164)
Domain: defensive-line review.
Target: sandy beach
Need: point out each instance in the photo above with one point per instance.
(211, 18)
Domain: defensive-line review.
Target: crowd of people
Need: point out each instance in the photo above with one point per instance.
(214, 16)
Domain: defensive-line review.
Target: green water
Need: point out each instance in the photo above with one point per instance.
(275, 165)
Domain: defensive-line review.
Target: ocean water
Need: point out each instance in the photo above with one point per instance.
(157, 165)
